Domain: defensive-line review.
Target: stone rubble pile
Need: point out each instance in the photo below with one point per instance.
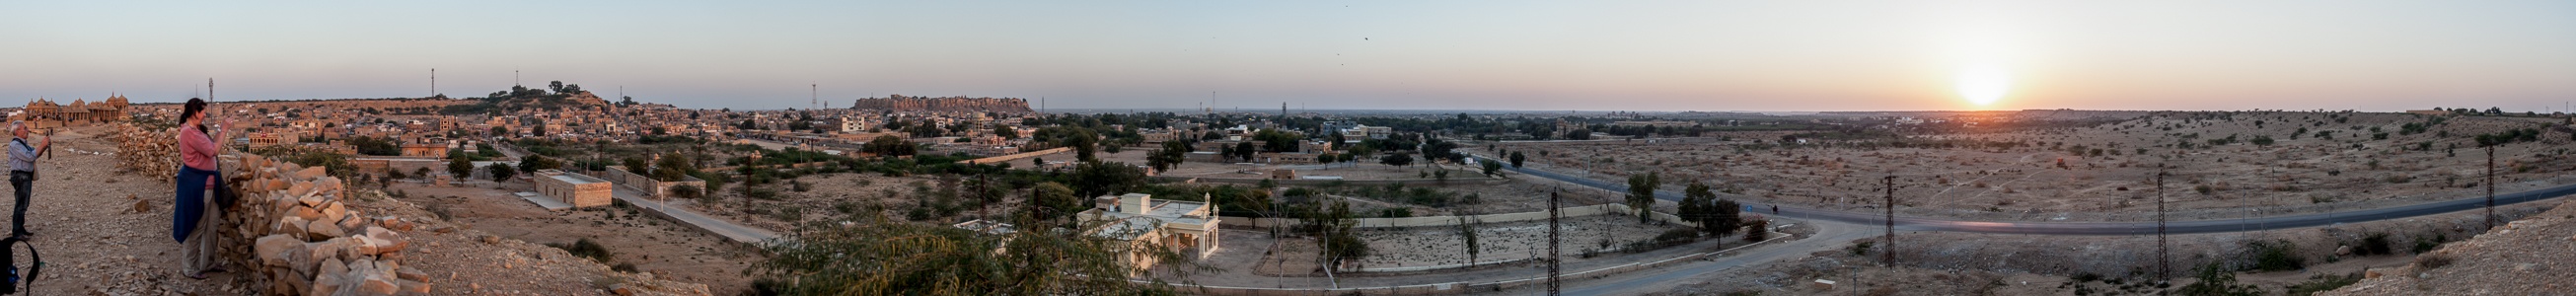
(305, 241)
(146, 151)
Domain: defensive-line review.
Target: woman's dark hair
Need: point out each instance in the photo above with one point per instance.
(194, 106)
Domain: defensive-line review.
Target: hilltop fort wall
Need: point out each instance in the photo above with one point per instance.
(904, 103)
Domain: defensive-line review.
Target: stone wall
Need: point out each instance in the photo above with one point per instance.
(303, 241)
(146, 151)
(641, 183)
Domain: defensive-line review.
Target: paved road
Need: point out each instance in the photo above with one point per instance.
(720, 227)
(2103, 228)
(1827, 236)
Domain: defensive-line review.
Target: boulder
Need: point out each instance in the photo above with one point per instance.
(308, 213)
(290, 226)
(309, 173)
(324, 230)
(328, 284)
(333, 211)
(377, 284)
(273, 249)
(310, 200)
(414, 287)
(411, 274)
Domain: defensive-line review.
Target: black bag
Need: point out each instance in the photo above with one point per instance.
(224, 198)
(16, 280)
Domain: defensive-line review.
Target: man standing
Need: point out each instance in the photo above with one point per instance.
(22, 174)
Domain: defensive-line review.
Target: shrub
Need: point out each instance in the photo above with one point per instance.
(1677, 236)
(2432, 261)
(587, 249)
(2374, 244)
(2423, 244)
(1757, 231)
(1861, 248)
(2276, 255)
(2322, 283)
(623, 267)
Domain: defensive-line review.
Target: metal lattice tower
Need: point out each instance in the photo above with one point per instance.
(1553, 288)
(2164, 254)
(1890, 252)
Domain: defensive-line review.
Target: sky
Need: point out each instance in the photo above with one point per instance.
(1257, 55)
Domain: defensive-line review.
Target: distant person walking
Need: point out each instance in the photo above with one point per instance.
(22, 175)
(193, 220)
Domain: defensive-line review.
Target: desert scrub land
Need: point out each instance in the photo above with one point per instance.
(2218, 164)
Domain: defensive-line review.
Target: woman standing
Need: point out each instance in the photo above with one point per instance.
(193, 221)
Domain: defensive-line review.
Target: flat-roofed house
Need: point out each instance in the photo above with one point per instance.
(573, 188)
(1185, 227)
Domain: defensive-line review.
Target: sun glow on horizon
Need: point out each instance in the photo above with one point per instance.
(1983, 85)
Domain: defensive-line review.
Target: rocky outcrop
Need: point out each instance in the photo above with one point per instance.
(943, 104)
(2524, 257)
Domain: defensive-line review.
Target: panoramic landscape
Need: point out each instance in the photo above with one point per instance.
(1190, 148)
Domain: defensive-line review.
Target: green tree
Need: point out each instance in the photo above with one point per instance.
(1172, 154)
(1641, 193)
(1333, 225)
(1096, 178)
(890, 145)
(1396, 159)
(1516, 158)
(502, 171)
(460, 167)
(1716, 217)
(636, 165)
(1467, 232)
(881, 257)
(2217, 282)
(1277, 141)
(1490, 167)
(1006, 132)
(1054, 200)
(1245, 150)
(673, 166)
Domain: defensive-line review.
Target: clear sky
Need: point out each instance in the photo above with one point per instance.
(1518, 55)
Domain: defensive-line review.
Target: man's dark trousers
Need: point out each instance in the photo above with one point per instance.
(23, 184)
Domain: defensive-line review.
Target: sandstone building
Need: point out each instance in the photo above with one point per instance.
(572, 188)
(45, 113)
(943, 104)
(1185, 227)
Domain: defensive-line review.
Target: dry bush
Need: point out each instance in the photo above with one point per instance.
(2432, 261)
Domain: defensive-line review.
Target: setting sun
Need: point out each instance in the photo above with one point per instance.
(1983, 84)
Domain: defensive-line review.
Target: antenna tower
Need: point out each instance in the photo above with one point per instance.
(1553, 288)
(1890, 252)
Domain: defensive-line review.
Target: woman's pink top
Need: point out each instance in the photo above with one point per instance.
(197, 149)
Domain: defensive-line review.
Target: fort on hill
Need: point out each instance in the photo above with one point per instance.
(904, 103)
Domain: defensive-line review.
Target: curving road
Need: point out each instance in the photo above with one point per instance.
(2103, 228)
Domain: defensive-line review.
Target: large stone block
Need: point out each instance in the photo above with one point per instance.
(291, 226)
(274, 250)
(308, 213)
(309, 173)
(334, 211)
(324, 230)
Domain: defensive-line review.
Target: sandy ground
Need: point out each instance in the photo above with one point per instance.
(2304, 175)
(1398, 247)
(1990, 264)
(651, 244)
(96, 244)
(821, 202)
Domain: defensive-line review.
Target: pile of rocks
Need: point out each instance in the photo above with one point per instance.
(145, 150)
(307, 241)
